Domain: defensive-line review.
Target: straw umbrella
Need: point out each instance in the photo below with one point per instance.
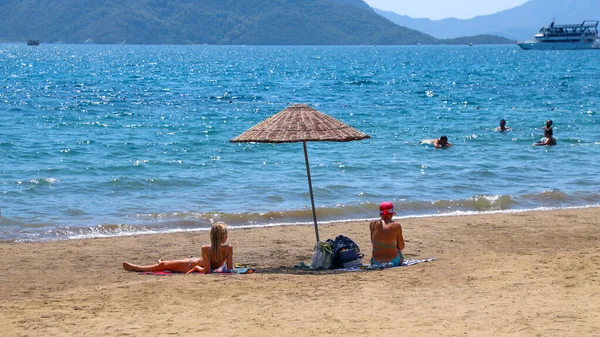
(301, 123)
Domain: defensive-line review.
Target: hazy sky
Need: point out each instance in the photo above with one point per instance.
(441, 9)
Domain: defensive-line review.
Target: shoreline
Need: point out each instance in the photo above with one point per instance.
(302, 223)
(505, 274)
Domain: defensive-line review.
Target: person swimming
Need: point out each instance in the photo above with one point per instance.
(502, 126)
(548, 139)
(442, 142)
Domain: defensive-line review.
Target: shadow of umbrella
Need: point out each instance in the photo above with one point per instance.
(301, 123)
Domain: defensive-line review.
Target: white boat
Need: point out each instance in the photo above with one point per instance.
(565, 37)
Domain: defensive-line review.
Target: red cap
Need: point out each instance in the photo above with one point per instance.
(386, 208)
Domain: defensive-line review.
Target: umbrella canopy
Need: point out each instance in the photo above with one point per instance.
(301, 123)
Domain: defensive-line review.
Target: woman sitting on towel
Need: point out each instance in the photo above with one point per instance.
(213, 257)
(386, 237)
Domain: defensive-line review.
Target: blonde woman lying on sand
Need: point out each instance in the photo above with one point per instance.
(213, 257)
(386, 237)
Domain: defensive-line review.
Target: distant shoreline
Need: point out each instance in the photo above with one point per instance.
(461, 43)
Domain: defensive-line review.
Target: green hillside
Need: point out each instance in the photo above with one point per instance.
(219, 22)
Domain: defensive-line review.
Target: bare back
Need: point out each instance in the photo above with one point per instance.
(386, 238)
(214, 262)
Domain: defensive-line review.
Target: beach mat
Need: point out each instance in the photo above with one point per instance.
(405, 263)
(367, 267)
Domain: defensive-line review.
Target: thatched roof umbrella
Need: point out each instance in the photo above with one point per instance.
(301, 123)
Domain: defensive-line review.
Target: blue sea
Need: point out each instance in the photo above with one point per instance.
(106, 140)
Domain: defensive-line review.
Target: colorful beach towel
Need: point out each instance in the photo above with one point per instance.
(224, 271)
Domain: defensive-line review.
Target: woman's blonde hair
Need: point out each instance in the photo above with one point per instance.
(217, 233)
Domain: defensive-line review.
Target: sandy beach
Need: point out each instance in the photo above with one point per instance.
(509, 274)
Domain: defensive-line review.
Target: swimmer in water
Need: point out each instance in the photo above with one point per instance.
(437, 143)
(502, 126)
(548, 140)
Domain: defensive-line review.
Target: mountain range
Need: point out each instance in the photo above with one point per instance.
(215, 22)
(518, 23)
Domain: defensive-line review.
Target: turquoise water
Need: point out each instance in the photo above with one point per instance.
(109, 140)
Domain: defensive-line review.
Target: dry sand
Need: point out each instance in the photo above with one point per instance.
(516, 274)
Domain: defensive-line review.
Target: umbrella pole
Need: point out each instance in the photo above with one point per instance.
(312, 199)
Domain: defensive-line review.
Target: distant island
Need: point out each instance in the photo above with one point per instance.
(478, 39)
(212, 22)
(518, 23)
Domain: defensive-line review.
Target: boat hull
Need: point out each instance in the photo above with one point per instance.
(556, 45)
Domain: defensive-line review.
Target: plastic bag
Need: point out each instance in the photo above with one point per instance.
(322, 256)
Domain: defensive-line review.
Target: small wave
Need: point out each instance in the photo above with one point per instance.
(477, 203)
(362, 82)
(48, 181)
(522, 210)
(7, 222)
(549, 195)
(32, 183)
(573, 141)
(73, 212)
(106, 230)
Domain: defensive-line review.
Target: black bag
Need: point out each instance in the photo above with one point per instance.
(344, 250)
